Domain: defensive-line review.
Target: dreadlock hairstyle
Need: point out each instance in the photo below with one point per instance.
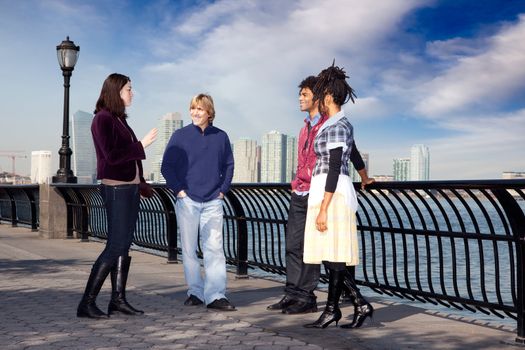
(332, 81)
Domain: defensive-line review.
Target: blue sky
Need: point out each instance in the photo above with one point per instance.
(449, 74)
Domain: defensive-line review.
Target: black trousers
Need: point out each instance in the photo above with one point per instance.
(301, 278)
(122, 210)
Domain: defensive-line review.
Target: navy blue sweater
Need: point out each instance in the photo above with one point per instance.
(200, 163)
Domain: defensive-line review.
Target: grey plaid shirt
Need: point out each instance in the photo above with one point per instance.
(335, 132)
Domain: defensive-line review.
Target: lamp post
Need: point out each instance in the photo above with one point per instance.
(67, 54)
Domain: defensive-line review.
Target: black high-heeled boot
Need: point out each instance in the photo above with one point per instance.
(331, 313)
(362, 308)
(87, 307)
(119, 277)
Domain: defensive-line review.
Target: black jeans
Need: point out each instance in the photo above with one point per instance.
(122, 210)
(301, 278)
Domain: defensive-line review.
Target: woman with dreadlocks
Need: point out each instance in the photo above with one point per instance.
(331, 230)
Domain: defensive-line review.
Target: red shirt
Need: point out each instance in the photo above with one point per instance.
(305, 155)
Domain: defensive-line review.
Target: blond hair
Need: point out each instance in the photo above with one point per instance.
(206, 103)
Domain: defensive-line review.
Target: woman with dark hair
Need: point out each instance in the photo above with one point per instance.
(331, 230)
(119, 167)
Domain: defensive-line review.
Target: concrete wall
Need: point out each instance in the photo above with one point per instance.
(53, 214)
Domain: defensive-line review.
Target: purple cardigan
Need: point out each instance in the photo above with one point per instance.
(118, 150)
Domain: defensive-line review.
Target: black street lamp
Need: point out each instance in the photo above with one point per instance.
(67, 54)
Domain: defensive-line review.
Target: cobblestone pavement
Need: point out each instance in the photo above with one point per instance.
(41, 282)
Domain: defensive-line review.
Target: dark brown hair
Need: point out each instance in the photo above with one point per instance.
(109, 98)
(332, 81)
(308, 83)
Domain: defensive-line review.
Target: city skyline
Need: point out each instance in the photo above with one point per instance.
(424, 71)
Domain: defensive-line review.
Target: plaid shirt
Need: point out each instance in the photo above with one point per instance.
(335, 132)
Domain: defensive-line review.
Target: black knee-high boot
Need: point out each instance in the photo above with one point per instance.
(88, 307)
(331, 313)
(362, 308)
(119, 277)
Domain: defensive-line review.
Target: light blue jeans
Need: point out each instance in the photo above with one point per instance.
(206, 218)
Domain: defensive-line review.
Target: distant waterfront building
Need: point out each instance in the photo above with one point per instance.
(246, 162)
(273, 157)
(419, 163)
(41, 167)
(354, 175)
(401, 169)
(83, 160)
(291, 158)
(168, 123)
(258, 163)
(508, 175)
(381, 178)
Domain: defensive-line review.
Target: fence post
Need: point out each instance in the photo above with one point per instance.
(242, 235)
(32, 202)
(14, 217)
(517, 223)
(83, 223)
(171, 223)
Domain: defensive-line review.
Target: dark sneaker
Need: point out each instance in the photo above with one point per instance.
(300, 307)
(193, 300)
(282, 304)
(221, 304)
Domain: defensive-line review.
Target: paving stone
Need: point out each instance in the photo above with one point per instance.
(270, 347)
(39, 305)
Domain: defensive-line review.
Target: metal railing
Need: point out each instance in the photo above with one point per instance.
(459, 244)
(19, 205)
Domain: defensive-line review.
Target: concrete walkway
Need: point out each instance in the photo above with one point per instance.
(41, 282)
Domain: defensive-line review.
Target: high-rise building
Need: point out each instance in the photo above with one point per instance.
(354, 175)
(168, 123)
(383, 178)
(258, 150)
(419, 163)
(83, 160)
(273, 157)
(41, 167)
(401, 169)
(246, 162)
(508, 175)
(291, 158)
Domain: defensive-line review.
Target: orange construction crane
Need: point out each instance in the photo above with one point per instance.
(13, 155)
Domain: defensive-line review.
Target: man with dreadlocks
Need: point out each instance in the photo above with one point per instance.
(301, 278)
(331, 229)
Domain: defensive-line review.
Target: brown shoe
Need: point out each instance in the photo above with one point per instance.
(300, 307)
(193, 300)
(221, 304)
(282, 304)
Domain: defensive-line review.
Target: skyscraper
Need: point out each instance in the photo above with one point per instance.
(273, 157)
(291, 158)
(168, 123)
(245, 156)
(419, 163)
(40, 167)
(401, 169)
(84, 160)
(354, 175)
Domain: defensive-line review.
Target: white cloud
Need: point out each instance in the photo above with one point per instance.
(487, 144)
(253, 60)
(480, 80)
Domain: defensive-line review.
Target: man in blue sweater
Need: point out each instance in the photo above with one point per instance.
(198, 168)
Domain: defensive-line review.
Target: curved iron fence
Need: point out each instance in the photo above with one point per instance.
(455, 243)
(19, 205)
